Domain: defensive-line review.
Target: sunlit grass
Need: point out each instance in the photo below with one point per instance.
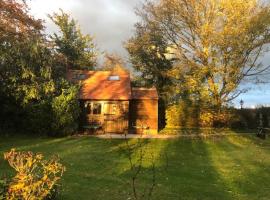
(231, 167)
(242, 173)
(202, 131)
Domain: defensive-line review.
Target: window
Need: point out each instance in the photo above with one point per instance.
(88, 108)
(111, 109)
(81, 76)
(114, 109)
(114, 78)
(97, 108)
(74, 76)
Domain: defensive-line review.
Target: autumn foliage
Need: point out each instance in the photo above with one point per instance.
(201, 49)
(14, 20)
(35, 178)
(190, 115)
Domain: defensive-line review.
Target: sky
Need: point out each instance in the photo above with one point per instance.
(111, 22)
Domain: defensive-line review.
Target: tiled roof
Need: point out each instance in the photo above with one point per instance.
(97, 85)
(144, 93)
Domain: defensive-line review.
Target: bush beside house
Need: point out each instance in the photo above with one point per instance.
(184, 115)
(66, 112)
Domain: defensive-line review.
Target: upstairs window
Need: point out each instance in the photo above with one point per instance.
(81, 76)
(114, 78)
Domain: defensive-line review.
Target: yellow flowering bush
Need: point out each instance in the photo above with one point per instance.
(191, 115)
(35, 178)
(182, 115)
(206, 119)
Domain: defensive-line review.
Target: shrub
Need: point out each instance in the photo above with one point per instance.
(188, 114)
(206, 119)
(216, 119)
(183, 114)
(38, 118)
(55, 113)
(66, 112)
(224, 118)
(250, 118)
(36, 178)
(265, 111)
(246, 118)
(3, 188)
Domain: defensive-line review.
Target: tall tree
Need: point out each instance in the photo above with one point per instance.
(24, 57)
(78, 50)
(148, 52)
(112, 61)
(29, 94)
(25, 63)
(216, 44)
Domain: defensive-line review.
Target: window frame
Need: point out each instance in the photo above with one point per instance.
(88, 107)
(81, 77)
(99, 108)
(114, 78)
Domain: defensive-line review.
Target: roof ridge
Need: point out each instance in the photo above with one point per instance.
(143, 88)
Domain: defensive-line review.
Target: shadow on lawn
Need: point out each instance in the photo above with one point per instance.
(242, 163)
(259, 150)
(209, 169)
(191, 174)
(88, 161)
(226, 168)
(188, 174)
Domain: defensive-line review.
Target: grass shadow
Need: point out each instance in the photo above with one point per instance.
(225, 168)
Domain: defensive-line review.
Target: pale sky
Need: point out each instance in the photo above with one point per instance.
(111, 23)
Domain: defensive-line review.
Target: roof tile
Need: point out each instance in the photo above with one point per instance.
(97, 86)
(144, 93)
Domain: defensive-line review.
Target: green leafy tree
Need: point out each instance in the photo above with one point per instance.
(29, 85)
(25, 62)
(66, 111)
(148, 50)
(77, 50)
(24, 57)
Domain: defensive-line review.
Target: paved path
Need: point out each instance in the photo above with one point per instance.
(162, 136)
(131, 136)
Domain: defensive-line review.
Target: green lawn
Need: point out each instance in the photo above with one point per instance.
(232, 167)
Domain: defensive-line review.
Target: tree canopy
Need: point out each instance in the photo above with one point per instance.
(206, 47)
(30, 90)
(24, 57)
(78, 50)
(113, 61)
(147, 50)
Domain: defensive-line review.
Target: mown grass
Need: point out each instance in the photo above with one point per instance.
(204, 131)
(231, 167)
